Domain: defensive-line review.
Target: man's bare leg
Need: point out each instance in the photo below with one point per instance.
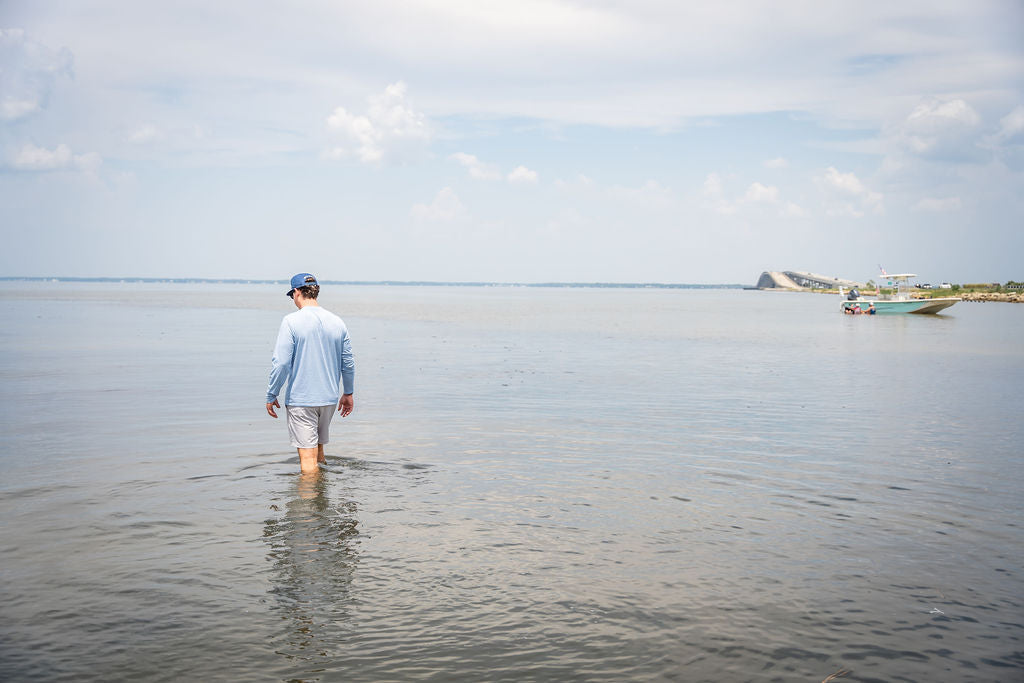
(307, 459)
(309, 485)
(320, 454)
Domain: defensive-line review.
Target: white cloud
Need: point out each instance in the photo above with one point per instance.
(764, 194)
(521, 174)
(32, 158)
(389, 129)
(485, 171)
(840, 62)
(769, 196)
(939, 205)
(29, 71)
(445, 208)
(941, 129)
(778, 162)
(651, 194)
(936, 114)
(712, 187)
(714, 194)
(580, 182)
(12, 108)
(1012, 124)
(477, 169)
(792, 210)
(89, 162)
(143, 134)
(757, 197)
(847, 183)
(847, 195)
(559, 61)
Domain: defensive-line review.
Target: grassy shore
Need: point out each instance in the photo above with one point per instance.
(971, 292)
(1012, 296)
(975, 292)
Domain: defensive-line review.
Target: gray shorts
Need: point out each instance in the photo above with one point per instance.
(309, 426)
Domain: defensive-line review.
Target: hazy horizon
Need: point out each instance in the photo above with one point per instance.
(485, 283)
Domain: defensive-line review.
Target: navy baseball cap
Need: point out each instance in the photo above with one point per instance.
(301, 280)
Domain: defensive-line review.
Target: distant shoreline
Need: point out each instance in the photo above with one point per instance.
(389, 283)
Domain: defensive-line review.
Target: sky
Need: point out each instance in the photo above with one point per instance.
(526, 141)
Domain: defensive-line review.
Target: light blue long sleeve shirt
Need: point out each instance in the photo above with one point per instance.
(313, 355)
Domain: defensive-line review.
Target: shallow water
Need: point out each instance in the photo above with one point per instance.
(537, 484)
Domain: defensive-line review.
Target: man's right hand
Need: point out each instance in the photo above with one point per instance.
(270, 408)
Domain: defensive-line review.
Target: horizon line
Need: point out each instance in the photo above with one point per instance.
(407, 283)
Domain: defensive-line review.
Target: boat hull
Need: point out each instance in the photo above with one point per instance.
(921, 306)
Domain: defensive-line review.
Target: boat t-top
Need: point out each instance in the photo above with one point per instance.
(899, 301)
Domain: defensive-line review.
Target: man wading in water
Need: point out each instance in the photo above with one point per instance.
(313, 354)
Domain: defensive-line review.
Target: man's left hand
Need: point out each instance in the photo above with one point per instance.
(346, 404)
(270, 408)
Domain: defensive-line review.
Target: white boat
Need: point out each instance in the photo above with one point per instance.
(899, 301)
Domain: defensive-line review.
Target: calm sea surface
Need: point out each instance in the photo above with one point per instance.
(536, 485)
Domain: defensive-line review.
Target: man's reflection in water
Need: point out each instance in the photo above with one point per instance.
(312, 547)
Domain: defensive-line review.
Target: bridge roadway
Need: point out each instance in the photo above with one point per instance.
(796, 280)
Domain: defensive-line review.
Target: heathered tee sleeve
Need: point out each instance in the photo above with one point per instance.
(281, 363)
(348, 366)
